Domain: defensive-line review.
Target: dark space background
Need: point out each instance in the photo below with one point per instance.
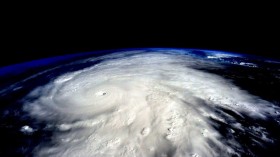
(29, 35)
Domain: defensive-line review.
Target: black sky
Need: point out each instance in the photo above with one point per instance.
(28, 38)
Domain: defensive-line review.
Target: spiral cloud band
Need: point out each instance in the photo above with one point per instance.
(145, 104)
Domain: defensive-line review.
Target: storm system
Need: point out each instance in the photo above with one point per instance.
(148, 104)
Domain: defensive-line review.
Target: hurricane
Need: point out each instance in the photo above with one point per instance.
(155, 104)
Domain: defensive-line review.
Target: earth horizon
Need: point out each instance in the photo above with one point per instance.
(141, 102)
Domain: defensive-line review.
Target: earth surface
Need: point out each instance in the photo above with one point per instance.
(141, 102)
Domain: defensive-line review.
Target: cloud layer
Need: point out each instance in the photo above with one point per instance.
(150, 104)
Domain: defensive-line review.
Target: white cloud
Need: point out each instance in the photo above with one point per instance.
(154, 104)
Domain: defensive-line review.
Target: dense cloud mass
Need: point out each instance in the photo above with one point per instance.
(145, 104)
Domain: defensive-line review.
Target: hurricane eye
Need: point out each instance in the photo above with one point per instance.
(100, 93)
